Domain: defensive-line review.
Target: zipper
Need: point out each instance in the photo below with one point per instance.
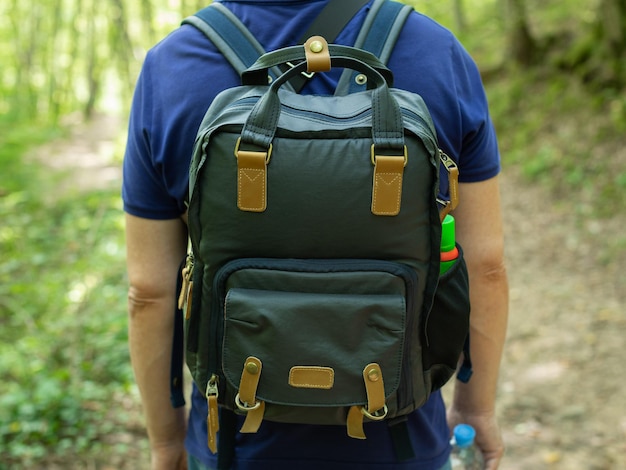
(212, 420)
(184, 298)
(359, 117)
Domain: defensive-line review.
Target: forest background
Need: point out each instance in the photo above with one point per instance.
(555, 74)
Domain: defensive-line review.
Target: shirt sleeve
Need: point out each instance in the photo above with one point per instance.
(144, 190)
(479, 156)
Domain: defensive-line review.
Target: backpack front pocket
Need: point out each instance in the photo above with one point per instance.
(315, 325)
(336, 335)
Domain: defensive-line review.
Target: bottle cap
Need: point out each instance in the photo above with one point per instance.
(464, 435)
(447, 233)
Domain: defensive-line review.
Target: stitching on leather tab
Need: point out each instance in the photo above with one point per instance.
(380, 180)
(249, 177)
(300, 377)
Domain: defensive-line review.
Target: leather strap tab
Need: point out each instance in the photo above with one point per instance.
(250, 381)
(212, 419)
(189, 299)
(251, 181)
(355, 423)
(254, 418)
(387, 186)
(375, 387)
(212, 423)
(246, 398)
(317, 54)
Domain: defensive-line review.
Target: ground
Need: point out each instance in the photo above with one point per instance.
(561, 399)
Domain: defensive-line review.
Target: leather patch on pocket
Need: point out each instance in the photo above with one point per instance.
(312, 377)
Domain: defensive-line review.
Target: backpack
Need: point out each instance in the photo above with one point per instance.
(312, 291)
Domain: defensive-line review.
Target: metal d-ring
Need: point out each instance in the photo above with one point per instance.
(245, 407)
(377, 415)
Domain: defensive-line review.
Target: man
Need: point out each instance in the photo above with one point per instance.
(180, 78)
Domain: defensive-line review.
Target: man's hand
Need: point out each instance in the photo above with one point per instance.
(488, 437)
(169, 457)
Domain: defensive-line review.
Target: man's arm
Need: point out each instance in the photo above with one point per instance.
(155, 249)
(480, 233)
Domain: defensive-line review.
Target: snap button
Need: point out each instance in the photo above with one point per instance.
(373, 375)
(316, 47)
(360, 79)
(252, 368)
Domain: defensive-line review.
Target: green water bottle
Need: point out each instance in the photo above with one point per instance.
(449, 251)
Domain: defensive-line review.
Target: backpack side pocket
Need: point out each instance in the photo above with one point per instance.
(447, 325)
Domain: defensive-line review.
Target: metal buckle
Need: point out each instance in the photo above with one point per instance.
(269, 150)
(373, 155)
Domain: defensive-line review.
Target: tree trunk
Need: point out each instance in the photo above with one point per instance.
(522, 46)
(459, 16)
(611, 35)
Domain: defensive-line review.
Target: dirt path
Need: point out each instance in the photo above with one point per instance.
(561, 395)
(562, 401)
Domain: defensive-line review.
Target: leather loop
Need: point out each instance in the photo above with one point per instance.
(387, 185)
(317, 55)
(251, 181)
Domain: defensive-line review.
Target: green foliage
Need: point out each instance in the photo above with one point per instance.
(62, 320)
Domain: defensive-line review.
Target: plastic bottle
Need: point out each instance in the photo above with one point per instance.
(465, 455)
(449, 251)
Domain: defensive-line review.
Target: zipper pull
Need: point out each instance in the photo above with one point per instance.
(184, 299)
(212, 421)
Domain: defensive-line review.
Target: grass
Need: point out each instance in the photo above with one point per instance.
(64, 359)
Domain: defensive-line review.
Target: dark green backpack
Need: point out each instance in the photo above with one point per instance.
(312, 288)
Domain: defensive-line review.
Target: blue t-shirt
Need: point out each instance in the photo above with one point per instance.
(180, 78)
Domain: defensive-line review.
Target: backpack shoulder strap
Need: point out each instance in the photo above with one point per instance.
(230, 36)
(242, 49)
(378, 35)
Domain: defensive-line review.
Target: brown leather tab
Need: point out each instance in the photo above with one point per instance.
(250, 380)
(246, 398)
(312, 377)
(317, 54)
(374, 386)
(354, 423)
(251, 181)
(189, 299)
(212, 423)
(387, 185)
(254, 418)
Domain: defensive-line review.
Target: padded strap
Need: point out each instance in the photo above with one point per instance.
(401, 438)
(230, 36)
(226, 442)
(378, 35)
(242, 49)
